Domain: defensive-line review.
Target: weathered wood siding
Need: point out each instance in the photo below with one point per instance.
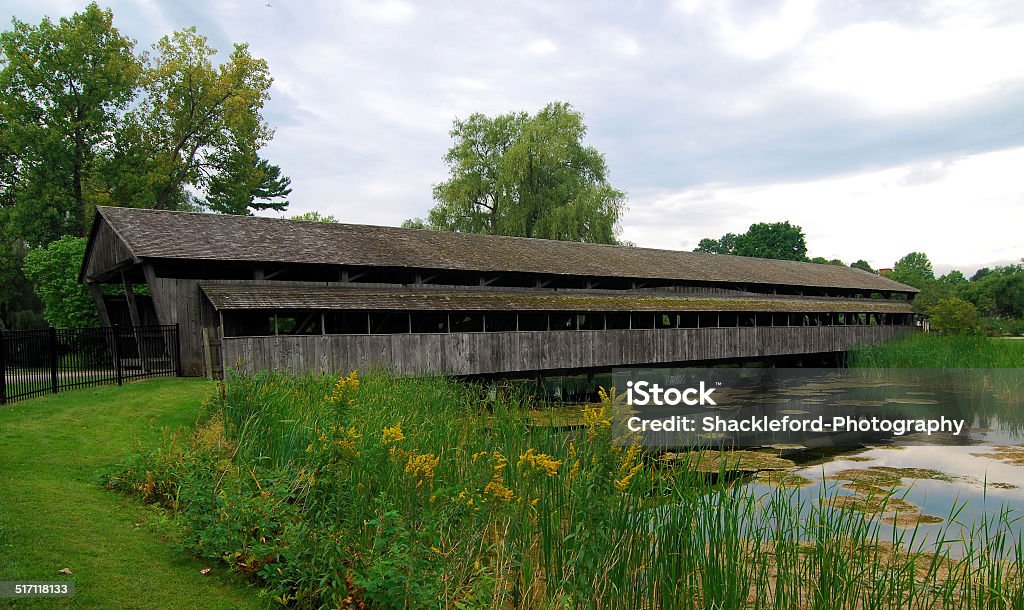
(510, 352)
(179, 301)
(108, 253)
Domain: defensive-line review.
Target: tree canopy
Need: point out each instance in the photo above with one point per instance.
(914, 270)
(779, 240)
(67, 303)
(528, 176)
(862, 264)
(87, 120)
(63, 87)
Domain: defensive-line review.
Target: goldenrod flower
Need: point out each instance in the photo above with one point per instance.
(422, 466)
(532, 460)
(392, 435)
(596, 418)
(347, 441)
(623, 483)
(344, 385)
(498, 491)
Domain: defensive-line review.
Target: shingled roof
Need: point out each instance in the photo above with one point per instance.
(228, 296)
(194, 236)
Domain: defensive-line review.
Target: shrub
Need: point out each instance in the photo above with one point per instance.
(954, 317)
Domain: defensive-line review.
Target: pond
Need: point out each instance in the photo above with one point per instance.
(943, 486)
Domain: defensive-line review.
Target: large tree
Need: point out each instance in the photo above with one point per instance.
(245, 181)
(863, 265)
(529, 176)
(724, 245)
(779, 240)
(53, 271)
(62, 89)
(197, 121)
(85, 120)
(914, 270)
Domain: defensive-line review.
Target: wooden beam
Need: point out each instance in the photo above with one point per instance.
(129, 295)
(101, 305)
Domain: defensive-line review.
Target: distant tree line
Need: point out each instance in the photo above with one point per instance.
(991, 300)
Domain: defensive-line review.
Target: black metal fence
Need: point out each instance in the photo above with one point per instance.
(34, 362)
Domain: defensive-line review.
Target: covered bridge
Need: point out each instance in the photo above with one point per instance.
(295, 295)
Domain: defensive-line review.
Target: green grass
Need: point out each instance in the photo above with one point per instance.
(934, 351)
(54, 514)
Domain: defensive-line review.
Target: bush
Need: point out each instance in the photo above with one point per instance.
(954, 317)
(53, 271)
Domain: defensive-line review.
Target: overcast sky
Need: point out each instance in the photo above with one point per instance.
(879, 127)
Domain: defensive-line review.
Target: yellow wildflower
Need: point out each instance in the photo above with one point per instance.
(392, 435)
(532, 460)
(422, 466)
(498, 491)
(623, 483)
(628, 467)
(574, 456)
(347, 441)
(499, 463)
(344, 385)
(596, 418)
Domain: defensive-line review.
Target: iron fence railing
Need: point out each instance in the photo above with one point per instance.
(35, 362)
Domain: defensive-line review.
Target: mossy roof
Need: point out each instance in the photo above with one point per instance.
(236, 296)
(187, 236)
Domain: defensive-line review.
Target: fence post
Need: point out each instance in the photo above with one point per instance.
(54, 360)
(177, 350)
(3, 368)
(117, 353)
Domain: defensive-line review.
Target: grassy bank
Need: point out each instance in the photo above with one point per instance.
(934, 351)
(53, 515)
(399, 492)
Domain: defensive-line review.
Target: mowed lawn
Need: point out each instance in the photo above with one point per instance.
(54, 514)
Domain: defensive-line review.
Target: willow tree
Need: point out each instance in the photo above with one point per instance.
(527, 176)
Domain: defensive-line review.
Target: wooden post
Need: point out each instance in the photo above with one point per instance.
(207, 357)
(129, 295)
(133, 311)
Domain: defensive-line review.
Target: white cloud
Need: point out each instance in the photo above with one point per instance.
(895, 69)
(626, 46)
(541, 47)
(387, 11)
(962, 216)
(767, 37)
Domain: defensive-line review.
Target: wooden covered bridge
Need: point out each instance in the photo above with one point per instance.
(296, 296)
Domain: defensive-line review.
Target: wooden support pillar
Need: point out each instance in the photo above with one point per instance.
(133, 312)
(101, 305)
(129, 295)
